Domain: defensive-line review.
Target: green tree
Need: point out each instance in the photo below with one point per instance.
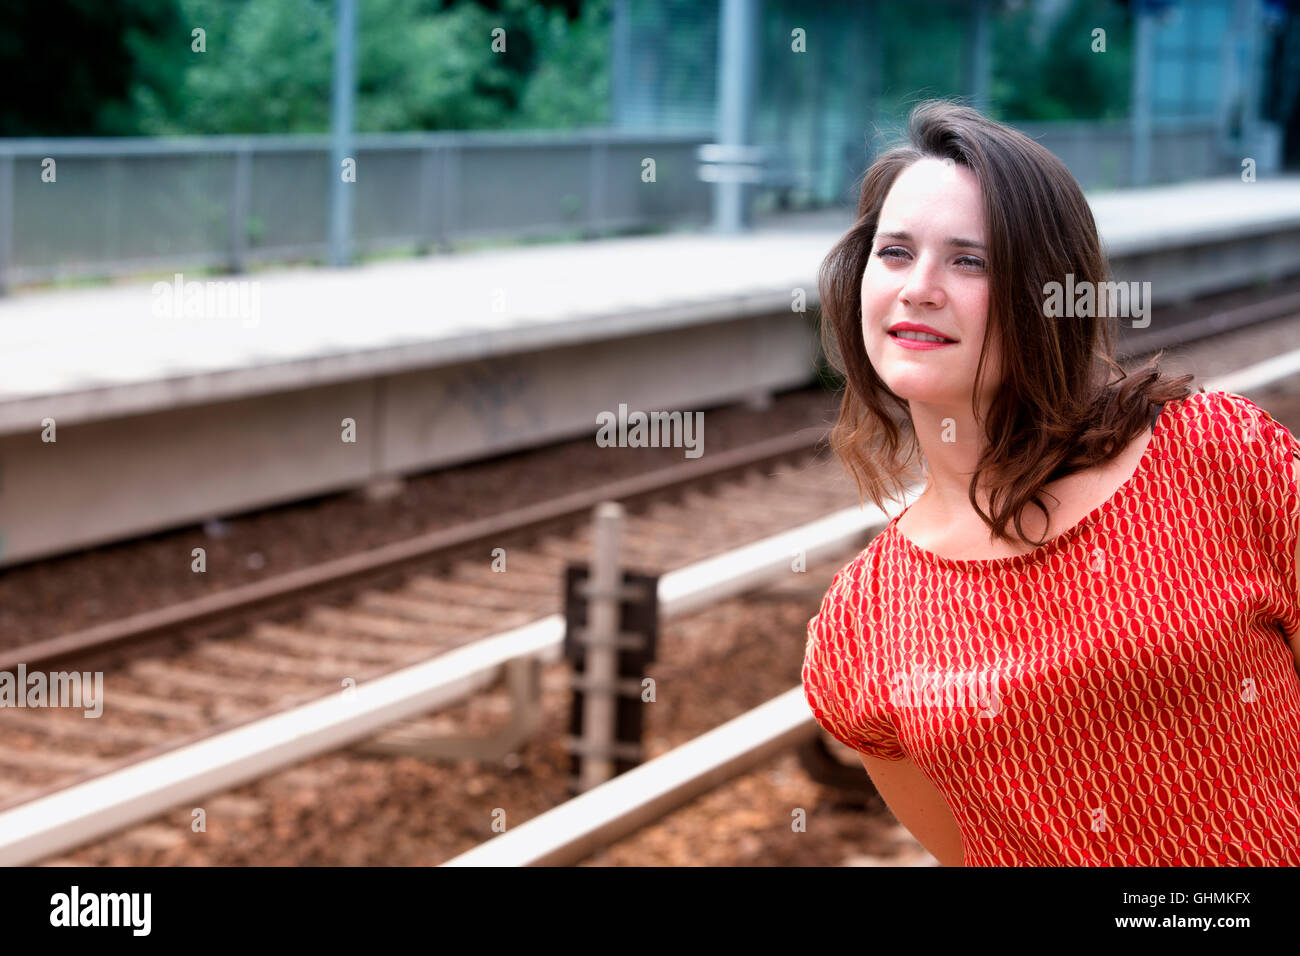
(1057, 76)
(269, 64)
(71, 63)
(570, 85)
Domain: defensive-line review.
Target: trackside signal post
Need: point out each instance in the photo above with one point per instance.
(611, 625)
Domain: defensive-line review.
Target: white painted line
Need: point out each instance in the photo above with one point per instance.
(715, 579)
(1260, 375)
(69, 817)
(578, 827)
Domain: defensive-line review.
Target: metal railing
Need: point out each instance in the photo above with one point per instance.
(72, 208)
(136, 205)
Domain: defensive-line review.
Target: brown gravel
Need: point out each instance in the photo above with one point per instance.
(348, 808)
(1224, 354)
(52, 597)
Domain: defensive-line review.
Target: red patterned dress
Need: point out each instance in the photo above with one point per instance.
(1123, 695)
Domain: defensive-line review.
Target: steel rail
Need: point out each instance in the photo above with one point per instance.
(68, 817)
(353, 568)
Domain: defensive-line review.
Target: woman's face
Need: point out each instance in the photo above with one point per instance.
(928, 266)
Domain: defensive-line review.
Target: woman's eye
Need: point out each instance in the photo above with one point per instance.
(895, 252)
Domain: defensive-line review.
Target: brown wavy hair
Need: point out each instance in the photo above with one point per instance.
(1059, 410)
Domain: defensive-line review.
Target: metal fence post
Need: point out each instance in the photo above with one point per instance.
(601, 672)
(113, 179)
(739, 35)
(345, 40)
(979, 54)
(448, 218)
(240, 200)
(6, 220)
(599, 171)
(428, 193)
(1143, 47)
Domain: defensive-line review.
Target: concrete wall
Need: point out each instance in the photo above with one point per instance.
(105, 480)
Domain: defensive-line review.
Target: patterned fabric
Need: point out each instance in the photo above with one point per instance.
(1123, 695)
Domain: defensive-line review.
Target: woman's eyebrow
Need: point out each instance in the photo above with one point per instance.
(952, 240)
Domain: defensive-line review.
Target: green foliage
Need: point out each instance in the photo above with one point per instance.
(429, 64)
(923, 56)
(1056, 75)
(570, 86)
(266, 69)
(269, 66)
(70, 63)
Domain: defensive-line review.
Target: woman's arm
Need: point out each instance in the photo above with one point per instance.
(919, 806)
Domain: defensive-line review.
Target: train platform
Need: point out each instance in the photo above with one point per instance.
(98, 353)
(195, 396)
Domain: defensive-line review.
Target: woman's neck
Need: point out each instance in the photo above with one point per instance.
(951, 444)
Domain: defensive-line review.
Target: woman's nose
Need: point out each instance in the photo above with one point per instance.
(922, 285)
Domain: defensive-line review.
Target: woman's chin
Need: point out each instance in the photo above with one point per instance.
(926, 389)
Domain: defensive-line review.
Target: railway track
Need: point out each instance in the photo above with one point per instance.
(159, 700)
(357, 619)
(224, 611)
(1179, 326)
(573, 832)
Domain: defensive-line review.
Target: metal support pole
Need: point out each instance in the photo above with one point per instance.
(428, 195)
(6, 222)
(600, 701)
(1140, 107)
(620, 67)
(980, 55)
(873, 62)
(1250, 77)
(345, 42)
(449, 219)
(241, 191)
(738, 47)
(598, 188)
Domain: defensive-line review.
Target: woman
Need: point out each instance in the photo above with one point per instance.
(1112, 683)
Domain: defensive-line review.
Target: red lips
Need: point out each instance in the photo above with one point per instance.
(918, 327)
